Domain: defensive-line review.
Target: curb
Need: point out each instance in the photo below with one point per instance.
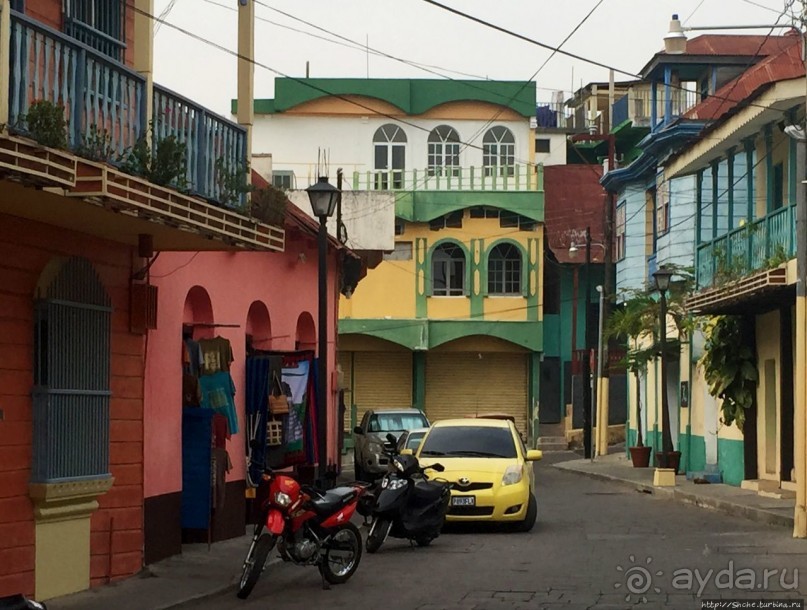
(685, 497)
(190, 602)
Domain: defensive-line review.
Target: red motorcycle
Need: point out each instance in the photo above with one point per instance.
(309, 527)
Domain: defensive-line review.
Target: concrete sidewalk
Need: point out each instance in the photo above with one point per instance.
(177, 582)
(732, 500)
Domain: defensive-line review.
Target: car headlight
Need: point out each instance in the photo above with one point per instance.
(512, 475)
(397, 484)
(282, 498)
(376, 448)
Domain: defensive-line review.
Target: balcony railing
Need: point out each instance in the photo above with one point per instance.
(207, 136)
(634, 105)
(517, 177)
(759, 245)
(103, 95)
(95, 90)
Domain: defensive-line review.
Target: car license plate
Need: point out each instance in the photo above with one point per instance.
(463, 501)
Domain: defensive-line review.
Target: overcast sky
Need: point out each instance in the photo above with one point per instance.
(621, 33)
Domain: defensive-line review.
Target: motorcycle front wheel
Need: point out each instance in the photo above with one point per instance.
(253, 564)
(342, 555)
(377, 535)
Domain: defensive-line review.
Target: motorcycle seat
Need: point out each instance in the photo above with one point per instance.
(333, 499)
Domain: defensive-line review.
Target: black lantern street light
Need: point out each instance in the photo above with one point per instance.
(323, 196)
(662, 280)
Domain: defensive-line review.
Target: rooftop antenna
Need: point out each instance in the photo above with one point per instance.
(367, 50)
(307, 68)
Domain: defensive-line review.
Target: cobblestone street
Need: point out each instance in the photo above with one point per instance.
(596, 545)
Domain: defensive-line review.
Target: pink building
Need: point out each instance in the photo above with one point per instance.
(257, 301)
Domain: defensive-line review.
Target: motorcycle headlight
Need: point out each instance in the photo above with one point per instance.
(282, 498)
(512, 475)
(397, 484)
(399, 465)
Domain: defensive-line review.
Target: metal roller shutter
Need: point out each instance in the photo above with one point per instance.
(461, 385)
(345, 360)
(381, 380)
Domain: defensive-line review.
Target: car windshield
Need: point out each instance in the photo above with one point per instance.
(396, 422)
(413, 440)
(470, 441)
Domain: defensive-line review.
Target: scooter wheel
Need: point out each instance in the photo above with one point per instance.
(378, 532)
(423, 540)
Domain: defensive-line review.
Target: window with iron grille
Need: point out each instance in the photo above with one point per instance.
(619, 239)
(448, 270)
(504, 270)
(662, 206)
(499, 152)
(99, 24)
(72, 322)
(444, 151)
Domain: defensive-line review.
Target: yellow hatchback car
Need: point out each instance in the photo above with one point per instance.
(489, 468)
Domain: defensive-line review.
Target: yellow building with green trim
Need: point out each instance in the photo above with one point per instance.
(451, 320)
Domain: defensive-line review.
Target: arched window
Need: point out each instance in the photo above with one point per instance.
(448, 271)
(389, 146)
(499, 152)
(504, 270)
(444, 151)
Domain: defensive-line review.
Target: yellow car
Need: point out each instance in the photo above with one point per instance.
(489, 468)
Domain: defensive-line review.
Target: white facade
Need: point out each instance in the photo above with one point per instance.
(557, 148)
(295, 140)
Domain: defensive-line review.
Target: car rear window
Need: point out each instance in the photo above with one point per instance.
(469, 441)
(396, 422)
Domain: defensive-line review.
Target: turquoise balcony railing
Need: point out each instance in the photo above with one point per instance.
(516, 177)
(758, 245)
(95, 90)
(208, 137)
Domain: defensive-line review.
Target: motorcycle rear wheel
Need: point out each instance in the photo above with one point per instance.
(346, 539)
(254, 563)
(377, 534)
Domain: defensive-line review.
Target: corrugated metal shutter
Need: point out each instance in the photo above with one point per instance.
(345, 363)
(381, 380)
(462, 384)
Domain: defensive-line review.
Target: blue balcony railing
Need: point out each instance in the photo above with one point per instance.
(101, 94)
(758, 245)
(207, 136)
(95, 90)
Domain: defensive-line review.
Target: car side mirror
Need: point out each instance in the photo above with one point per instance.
(407, 452)
(358, 430)
(533, 455)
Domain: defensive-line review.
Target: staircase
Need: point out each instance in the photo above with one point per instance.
(553, 438)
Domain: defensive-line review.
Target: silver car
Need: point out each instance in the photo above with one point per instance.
(370, 438)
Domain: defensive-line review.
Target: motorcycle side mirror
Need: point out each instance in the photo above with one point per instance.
(407, 452)
(391, 439)
(438, 467)
(358, 430)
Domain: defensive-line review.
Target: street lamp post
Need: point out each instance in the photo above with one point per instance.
(323, 196)
(662, 279)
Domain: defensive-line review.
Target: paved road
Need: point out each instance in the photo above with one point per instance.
(595, 544)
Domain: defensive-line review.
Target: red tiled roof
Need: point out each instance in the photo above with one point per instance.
(574, 200)
(738, 44)
(783, 65)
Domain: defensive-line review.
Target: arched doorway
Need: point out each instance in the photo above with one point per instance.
(258, 328)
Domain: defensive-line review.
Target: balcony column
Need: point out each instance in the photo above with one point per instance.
(144, 56)
(5, 53)
(246, 72)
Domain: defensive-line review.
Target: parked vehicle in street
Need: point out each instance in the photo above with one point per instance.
(411, 439)
(489, 468)
(309, 527)
(369, 459)
(20, 602)
(408, 505)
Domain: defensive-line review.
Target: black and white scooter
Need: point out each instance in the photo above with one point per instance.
(407, 504)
